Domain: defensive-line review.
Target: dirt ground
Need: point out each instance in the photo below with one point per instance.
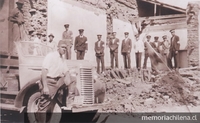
(129, 92)
(172, 91)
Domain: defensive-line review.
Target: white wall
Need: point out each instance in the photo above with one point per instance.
(60, 13)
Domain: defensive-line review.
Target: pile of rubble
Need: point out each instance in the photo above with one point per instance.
(128, 91)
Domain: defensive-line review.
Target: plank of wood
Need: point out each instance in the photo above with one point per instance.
(9, 62)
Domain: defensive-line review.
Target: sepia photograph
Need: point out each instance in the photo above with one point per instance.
(100, 61)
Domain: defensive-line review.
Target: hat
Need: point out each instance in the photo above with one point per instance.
(51, 35)
(61, 42)
(32, 10)
(81, 30)
(172, 30)
(148, 36)
(164, 36)
(126, 33)
(20, 2)
(99, 35)
(156, 37)
(66, 25)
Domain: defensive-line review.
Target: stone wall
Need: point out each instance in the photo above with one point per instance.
(35, 15)
(115, 9)
(193, 33)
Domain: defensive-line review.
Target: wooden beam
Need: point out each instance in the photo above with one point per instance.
(160, 17)
(166, 5)
(167, 27)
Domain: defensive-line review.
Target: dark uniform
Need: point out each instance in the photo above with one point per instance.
(99, 50)
(80, 45)
(173, 50)
(113, 45)
(126, 50)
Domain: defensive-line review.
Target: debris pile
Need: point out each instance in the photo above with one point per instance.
(132, 94)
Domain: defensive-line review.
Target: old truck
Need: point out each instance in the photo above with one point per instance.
(21, 75)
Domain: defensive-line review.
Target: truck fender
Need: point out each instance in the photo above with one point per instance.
(19, 100)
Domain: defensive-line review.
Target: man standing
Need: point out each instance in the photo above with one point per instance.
(139, 47)
(17, 20)
(164, 48)
(146, 55)
(51, 43)
(54, 75)
(173, 50)
(67, 36)
(156, 44)
(80, 45)
(99, 50)
(126, 50)
(113, 45)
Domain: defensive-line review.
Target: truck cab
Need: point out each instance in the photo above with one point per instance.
(25, 90)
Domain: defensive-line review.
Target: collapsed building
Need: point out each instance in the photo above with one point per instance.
(106, 16)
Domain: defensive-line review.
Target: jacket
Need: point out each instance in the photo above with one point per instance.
(114, 45)
(99, 50)
(126, 46)
(175, 46)
(81, 43)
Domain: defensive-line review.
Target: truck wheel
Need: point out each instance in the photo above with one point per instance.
(32, 108)
(99, 91)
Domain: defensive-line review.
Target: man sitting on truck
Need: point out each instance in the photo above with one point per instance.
(55, 73)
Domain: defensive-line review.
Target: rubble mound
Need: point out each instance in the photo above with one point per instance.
(132, 93)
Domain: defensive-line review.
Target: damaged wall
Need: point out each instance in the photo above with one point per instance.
(118, 9)
(193, 19)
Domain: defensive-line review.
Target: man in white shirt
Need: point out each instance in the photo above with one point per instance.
(54, 75)
(139, 48)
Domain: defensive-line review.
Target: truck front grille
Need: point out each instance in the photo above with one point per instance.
(87, 90)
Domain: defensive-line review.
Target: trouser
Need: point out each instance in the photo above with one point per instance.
(127, 60)
(114, 57)
(68, 52)
(146, 56)
(47, 102)
(138, 57)
(100, 59)
(171, 55)
(80, 55)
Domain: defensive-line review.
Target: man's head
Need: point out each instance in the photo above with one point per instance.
(99, 37)
(51, 36)
(62, 47)
(20, 4)
(148, 37)
(126, 34)
(156, 38)
(66, 27)
(164, 37)
(81, 31)
(172, 32)
(114, 34)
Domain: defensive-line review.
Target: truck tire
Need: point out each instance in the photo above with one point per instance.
(99, 91)
(32, 108)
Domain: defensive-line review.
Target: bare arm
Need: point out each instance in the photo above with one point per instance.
(44, 81)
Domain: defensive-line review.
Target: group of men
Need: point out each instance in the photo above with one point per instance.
(167, 49)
